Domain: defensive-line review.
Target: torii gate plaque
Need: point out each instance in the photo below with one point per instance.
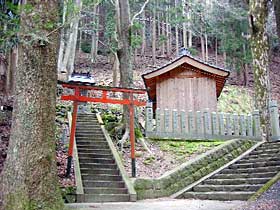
(77, 97)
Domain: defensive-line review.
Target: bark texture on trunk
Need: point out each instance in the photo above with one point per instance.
(124, 51)
(277, 15)
(260, 47)
(29, 179)
(124, 48)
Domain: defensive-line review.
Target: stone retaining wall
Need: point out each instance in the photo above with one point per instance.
(191, 171)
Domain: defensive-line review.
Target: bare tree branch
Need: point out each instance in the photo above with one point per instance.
(139, 13)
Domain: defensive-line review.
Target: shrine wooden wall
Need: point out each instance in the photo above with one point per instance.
(186, 90)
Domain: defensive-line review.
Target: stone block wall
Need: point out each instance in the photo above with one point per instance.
(191, 171)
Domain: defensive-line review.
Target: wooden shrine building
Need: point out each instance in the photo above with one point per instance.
(185, 83)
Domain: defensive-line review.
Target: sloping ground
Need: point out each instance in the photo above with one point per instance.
(274, 77)
(236, 99)
(166, 155)
(242, 179)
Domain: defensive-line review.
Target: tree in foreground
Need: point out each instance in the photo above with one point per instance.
(260, 47)
(277, 15)
(29, 179)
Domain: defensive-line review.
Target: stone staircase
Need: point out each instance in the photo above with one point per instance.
(243, 178)
(100, 175)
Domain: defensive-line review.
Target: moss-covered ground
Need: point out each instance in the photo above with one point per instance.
(184, 149)
(235, 99)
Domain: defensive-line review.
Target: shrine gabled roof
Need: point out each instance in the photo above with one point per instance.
(195, 62)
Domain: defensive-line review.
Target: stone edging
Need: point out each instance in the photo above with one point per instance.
(191, 171)
(264, 188)
(78, 177)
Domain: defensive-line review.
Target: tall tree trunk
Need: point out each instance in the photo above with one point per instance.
(72, 56)
(206, 47)
(202, 42)
(189, 16)
(80, 32)
(143, 47)
(95, 35)
(11, 70)
(124, 48)
(259, 44)
(277, 15)
(29, 179)
(168, 35)
(245, 68)
(177, 30)
(60, 68)
(154, 36)
(67, 64)
(116, 69)
(216, 51)
(185, 35)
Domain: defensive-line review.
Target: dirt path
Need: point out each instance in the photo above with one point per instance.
(161, 204)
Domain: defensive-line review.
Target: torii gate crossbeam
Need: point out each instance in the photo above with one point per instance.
(77, 97)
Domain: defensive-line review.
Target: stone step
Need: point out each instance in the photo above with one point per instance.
(94, 124)
(90, 131)
(98, 165)
(99, 171)
(240, 176)
(100, 198)
(271, 143)
(269, 146)
(102, 177)
(255, 165)
(236, 181)
(97, 160)
(94, 146)
(89, 135)
(251, 170)
(90, 138)
(86, 119)
(92, 143)
(265, 151)
(113, 184)
(95, 155)
(250, 156)
(80, 125)
(87, 125)
(222, 196)
(256, 160)
(91, 116)
(89, 128)
(95, 151)
(227, 188)
(104, 190)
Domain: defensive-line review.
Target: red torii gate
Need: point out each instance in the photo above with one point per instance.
(77, 97)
